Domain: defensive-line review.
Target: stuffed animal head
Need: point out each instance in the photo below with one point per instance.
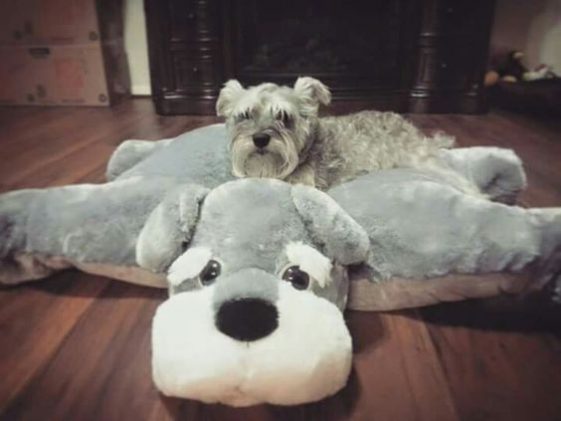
(257, 283)
(271, 126)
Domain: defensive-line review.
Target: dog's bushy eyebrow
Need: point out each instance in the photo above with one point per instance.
(279, 109)
(244, 113)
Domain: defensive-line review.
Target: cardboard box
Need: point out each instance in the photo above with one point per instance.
(50, 22)
(86, 74)
(12, 20)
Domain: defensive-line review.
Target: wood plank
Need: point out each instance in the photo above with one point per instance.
(34, 320)
(503, 362)
(102, 367)
(399, 374)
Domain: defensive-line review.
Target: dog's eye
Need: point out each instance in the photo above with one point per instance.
(210, 272)
(283, 116)
(244, 116)
(297, 277)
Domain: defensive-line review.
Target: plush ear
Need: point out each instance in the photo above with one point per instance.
(342, 238)
(227, 97)
(312, 91)
(169, 227)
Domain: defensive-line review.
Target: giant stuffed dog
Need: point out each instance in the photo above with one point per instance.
(258, 270)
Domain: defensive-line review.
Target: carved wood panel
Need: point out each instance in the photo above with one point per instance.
(404, 55)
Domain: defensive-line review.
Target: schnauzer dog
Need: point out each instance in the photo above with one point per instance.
(276, 133)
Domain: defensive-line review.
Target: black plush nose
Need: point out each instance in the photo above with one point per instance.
(261, 140)
(247, 319)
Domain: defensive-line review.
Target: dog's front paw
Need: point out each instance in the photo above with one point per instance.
(304, 175)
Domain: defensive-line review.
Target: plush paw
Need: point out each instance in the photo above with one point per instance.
(497, 172)
(13, 217)
(129, 153)
(550, 262)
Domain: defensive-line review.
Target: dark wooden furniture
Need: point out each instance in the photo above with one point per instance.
(403, 55)
(538, 97)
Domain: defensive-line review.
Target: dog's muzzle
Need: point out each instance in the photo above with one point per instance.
(263, 156)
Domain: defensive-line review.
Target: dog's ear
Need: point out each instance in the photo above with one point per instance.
(329, 226)
(312, 91)
(227, 97)
(169, 228)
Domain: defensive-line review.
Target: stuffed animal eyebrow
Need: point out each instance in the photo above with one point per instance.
(188, 265)
(311, 261)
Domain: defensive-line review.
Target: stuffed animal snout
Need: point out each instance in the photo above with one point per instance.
(290, 348)
(245, 305)
(251, 319)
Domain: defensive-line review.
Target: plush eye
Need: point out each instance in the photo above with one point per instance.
(283, 116)
(210, 272)
(297, 277)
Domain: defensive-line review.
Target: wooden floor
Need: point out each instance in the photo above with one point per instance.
(77, 347)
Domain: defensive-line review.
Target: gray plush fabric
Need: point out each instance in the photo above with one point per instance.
(80, 224)
(417, 225)
(424, 228)
(247, 225)
(497, 172)
(88, 223)
(170, 225)
(131, 152)
(199, 157)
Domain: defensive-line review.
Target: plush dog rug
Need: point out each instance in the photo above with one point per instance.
(259, 271)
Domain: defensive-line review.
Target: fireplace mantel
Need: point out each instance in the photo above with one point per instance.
(401, 55)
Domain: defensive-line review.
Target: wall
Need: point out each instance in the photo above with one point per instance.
(136, 46)
(532, 26)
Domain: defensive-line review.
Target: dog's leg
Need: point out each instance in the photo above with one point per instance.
(129, 153)
(497, 172)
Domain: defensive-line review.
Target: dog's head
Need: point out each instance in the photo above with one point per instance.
(271, 126)
(257, 285)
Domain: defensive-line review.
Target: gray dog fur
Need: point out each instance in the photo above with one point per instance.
(276, 132)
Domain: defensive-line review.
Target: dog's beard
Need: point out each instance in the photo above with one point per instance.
(278, 160)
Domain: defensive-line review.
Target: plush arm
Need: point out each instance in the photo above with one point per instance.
(422, 229)
(497, 172)
(91, 227)
(131, 152)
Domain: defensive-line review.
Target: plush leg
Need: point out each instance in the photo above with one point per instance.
(497, 172)
(421, 228)
(131, 152)
(549, 219)
(92, 227)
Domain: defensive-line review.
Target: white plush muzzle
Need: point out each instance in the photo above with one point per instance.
(307, 358)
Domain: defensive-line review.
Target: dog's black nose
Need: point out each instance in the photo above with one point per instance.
(247, 319)
(261, 140)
